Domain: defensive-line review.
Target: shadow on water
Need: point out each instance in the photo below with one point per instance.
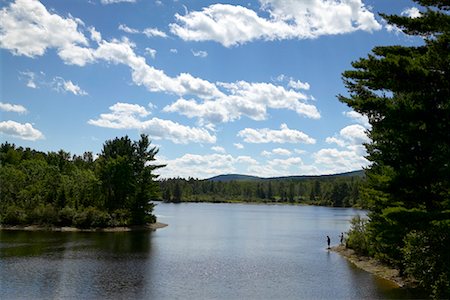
(74, 264)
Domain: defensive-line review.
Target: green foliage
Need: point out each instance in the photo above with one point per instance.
(13, 215)
(91, 217)
(43, 215)
(405, 93)
(427, 258)
(331, 191)
(66, 215)
(358, 237)
(57, 189)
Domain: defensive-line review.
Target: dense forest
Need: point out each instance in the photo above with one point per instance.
(338, 191)
(405, 93)
(56, 188)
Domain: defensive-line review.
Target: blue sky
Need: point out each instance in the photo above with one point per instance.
(220, 87)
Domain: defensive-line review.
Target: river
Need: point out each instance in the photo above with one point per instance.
(208, 251)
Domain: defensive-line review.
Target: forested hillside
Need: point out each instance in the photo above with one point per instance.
(56, 188)
(337, 190)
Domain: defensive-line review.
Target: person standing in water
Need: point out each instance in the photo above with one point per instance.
(328, 241)
(342, 238)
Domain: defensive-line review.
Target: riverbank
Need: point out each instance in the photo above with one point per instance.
(373, 266)
(146, 227)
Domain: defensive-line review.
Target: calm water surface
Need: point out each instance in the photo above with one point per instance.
(208, 251)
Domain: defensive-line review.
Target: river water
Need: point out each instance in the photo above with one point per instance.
(208, 251)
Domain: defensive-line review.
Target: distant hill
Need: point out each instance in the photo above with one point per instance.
(238, 177)
(234, 177)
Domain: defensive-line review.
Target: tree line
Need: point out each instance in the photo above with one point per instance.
(56, 188)
(405, 93)
(327, 191)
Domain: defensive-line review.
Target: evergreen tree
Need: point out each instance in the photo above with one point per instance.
(405, 93)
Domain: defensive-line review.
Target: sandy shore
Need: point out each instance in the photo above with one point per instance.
(372, 265)
(153, 226)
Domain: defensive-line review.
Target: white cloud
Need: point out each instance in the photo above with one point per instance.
(298, 85)
(105, 2)
(13, 108)
(238, 146)
(281, 151)
(359, 118)
(21, 131)
(27, 28)
(151, 52)
(200, 166)
(203, 166)
(284, 135)
(30, 77)
(154, 32)
(129, 116)
(95, 35)
(61, 85)
(218, 102)
(288, 19)
(173, 50)
(336, 161)
(412, 12)
(218, 149)
(127, 29)
(149, 32)
(276, 151)
(199, 53)
(355, 134)
(244, 99)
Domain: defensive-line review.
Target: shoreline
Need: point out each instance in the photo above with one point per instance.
(147, 227)
(373, 266)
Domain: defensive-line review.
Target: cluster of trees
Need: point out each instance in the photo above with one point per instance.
(329, 191)
(405, 92)
(60, 189)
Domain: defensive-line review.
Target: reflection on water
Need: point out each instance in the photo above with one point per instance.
(218, 251)
(73, 265)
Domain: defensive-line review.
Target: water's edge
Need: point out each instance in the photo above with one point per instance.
(373, 266)
(153, 226)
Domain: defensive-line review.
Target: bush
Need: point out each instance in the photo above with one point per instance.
(358, 239)
(43, 215)
(91, 217)
(66, 216)
(14, 215)
(120, 217)
(427, 258)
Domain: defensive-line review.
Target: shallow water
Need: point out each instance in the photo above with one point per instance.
(208, 251)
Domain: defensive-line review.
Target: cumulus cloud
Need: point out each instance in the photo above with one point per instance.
(61, 85)
(127, 29)
(19, 130)
(26, 29)
(284, 135)
(151, 52)
(218, 149)
(232, 25)
(412, 12)
(238, 146)
(130, 116)
(215, 103)
(276, 151)
(16, 108)
(244, 99)
(336, 161)
(154, 32)
(359, 118)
